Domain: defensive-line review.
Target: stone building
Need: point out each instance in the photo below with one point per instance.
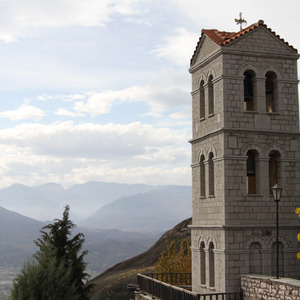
(245, 139)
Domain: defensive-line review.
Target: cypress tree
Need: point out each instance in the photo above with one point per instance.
(57, 270)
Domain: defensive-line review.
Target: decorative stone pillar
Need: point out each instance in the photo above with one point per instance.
(260, 94)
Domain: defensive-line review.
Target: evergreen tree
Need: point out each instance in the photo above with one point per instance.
(57, 270)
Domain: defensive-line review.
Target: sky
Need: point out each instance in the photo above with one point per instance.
(100, 90)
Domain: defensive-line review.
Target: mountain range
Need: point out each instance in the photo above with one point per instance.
(124, 219)
(154, 211)
(45, 202)
(105, 247)
(126, 207)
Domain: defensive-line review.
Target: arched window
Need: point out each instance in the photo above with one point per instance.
(211, 257)
(210, 95)
(211, 175)
(280, 259)
(273, 168)
(202, 264)
(251, 171)
(202, 176)
(249, 90)
(202, 100)
(271, 91)
(255, 263)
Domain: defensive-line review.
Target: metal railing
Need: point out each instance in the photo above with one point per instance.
(178, 279)
(166, 291)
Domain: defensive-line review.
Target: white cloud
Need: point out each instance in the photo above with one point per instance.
(22, 113)
(68, 153)
(66, 98)
(64, 139)
(182, 114)
(98, 103)
(169, 91)
(178, 48)
(64, 112)
(18, 18)
(74, 97)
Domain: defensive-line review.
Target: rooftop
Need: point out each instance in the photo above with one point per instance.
(223, 38)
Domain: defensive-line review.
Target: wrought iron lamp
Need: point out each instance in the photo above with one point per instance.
(277, 190)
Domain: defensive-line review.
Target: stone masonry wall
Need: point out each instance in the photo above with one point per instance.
(233, 230)
(268, 288)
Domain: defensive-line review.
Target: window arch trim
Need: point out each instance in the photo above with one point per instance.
(276, 147)
(254, 147)
(274, 69)
(263, 152)
(244, 67)
(255, 239)
(281, 238)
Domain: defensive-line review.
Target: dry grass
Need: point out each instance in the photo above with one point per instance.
(112, 284)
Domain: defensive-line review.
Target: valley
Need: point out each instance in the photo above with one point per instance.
(116, 227)
(7, 275)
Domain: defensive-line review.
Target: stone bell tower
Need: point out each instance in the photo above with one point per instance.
(245, 140)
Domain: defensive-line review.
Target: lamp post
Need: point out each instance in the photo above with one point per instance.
(276, 190)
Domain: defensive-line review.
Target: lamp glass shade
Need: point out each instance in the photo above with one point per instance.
(276, 190)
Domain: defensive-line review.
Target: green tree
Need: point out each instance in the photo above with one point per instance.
(57, 270)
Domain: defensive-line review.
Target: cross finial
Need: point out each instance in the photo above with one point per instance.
(240, 21)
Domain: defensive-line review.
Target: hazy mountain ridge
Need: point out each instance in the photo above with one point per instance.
(28, 202)
(138, 207)
(156, 210)
(45, 202)
(17, 233)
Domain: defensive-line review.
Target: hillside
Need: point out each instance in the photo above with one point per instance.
(153, 211)
(112, 284)
(16, 244)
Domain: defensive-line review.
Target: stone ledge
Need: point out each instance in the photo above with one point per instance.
(289, 281)
(267, 287)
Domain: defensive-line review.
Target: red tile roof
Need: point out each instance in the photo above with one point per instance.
(223, 38)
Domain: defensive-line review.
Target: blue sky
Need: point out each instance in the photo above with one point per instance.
(100, 90)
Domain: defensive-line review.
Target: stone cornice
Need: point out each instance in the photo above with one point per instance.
(226, 50)
(257, 53)
(242, 226)
(244, 130)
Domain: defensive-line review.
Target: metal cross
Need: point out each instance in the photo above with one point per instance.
(240, 21)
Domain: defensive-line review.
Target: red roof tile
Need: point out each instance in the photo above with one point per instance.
(223, 38)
